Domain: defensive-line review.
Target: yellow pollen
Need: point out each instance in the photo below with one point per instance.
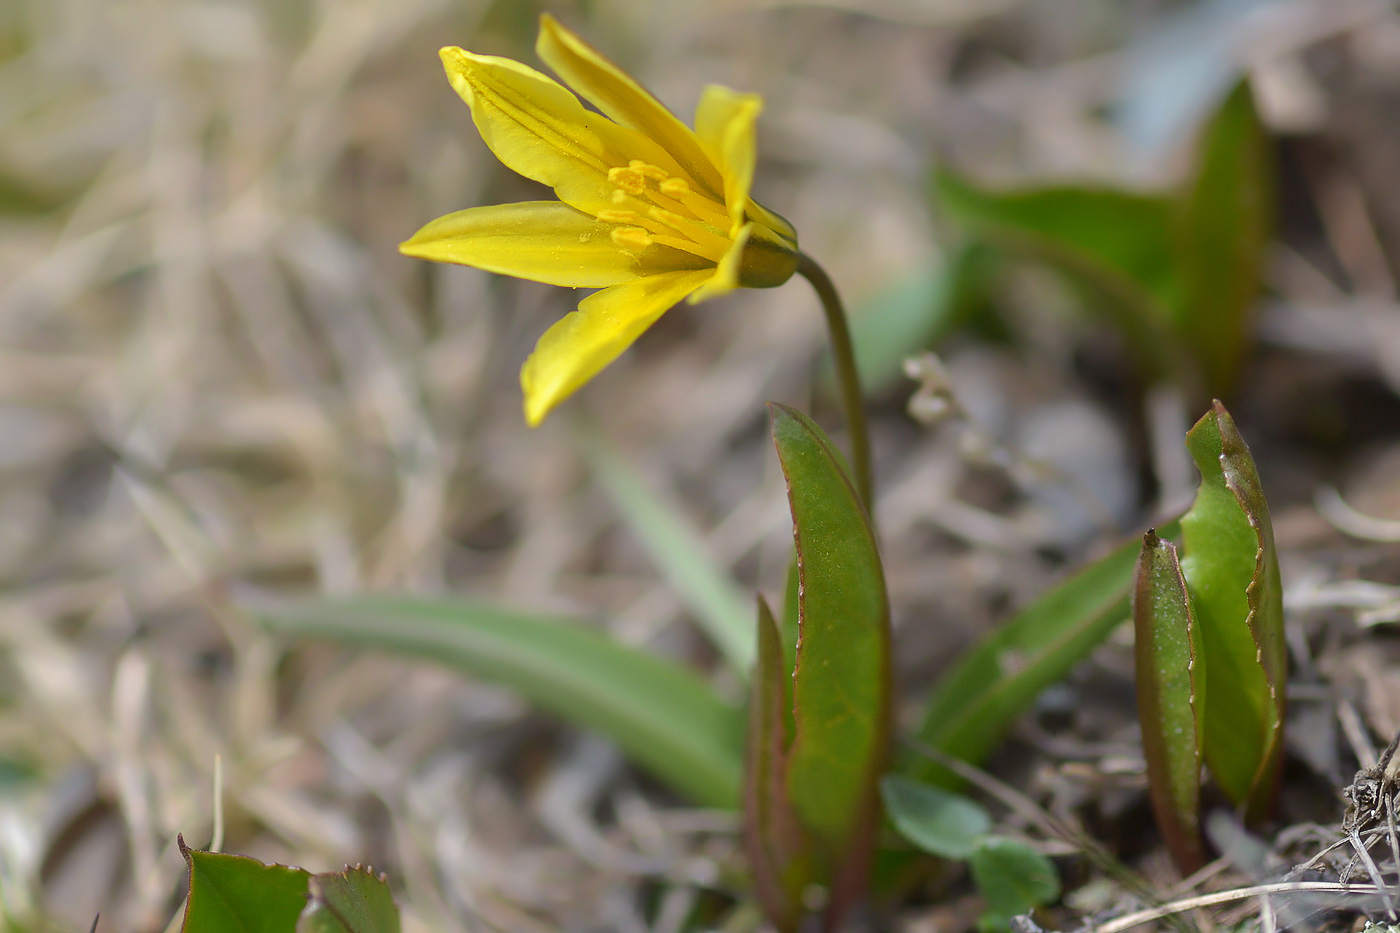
(619, 217)
(669, 218)
(627, 179)
(619, 196)
(650, 171)
(633, 238)
(674, 187)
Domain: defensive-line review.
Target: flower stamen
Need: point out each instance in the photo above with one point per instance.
(669, 212)
(635, 239)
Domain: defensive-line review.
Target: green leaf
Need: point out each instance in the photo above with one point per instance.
(1231, 571)
(1114, 245)
(679, 553)
(237, 894)
(938, 821)
(1171, 691)
(352, 901)
(992, 684)
(1013, 878)
(1222, 237)
(1102, 230)
(773, 836)
(663, 716)
(841, 687)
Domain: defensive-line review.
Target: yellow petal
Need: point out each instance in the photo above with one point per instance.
(726, 277)
(577, 348)
(618, 95)
(536, 127)
(541, 240)
(725, 123)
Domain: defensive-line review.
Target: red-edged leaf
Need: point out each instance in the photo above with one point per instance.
(237, 894)
(1170, 692)
(355, 900)
(1231, 571)
(773, 836)
(841, 687)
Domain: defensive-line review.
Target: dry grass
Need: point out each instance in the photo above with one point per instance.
(216, 371)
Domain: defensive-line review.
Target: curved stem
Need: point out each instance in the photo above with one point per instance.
(852, 400)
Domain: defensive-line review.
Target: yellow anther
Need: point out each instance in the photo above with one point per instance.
(650, 171)
(627, 179)
(633, 238)
(619, 217)
(675, 187)
(619, 196)
(669, 218)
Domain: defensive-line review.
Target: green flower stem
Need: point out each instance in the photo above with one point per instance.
(852, 401)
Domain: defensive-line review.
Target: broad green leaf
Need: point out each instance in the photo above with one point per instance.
(352, 901)
(663, 716)
(915, 311)
(1222, 236)
(1114, 245)
(773, 836)
(237, 894)
(1171, 692)
(936, 820)
(1231, 571)
(1112, 231)
(789, 626)
(1013, 878)
(672, 543)
(841, 687)
(995, 682)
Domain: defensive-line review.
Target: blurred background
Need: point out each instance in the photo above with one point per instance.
(217, 376)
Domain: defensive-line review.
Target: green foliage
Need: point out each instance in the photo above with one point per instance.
(776, 844)
(841, 685)
(661, 714)
(1171, 690)
(1231, 571)
(352, 901)
(1226, 226)
(1211, 658)
(993, 683)
(237, 894)
(938, 821)
(1013, 878)
(1176, 272)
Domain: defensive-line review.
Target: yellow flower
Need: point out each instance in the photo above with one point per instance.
(649, 211)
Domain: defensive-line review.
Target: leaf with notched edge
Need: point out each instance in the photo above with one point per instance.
(237, 894)
(355, 900)
(1231, 571)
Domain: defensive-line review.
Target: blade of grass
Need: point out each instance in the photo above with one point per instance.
(997, 680)
(679, 553)
(663, 716)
